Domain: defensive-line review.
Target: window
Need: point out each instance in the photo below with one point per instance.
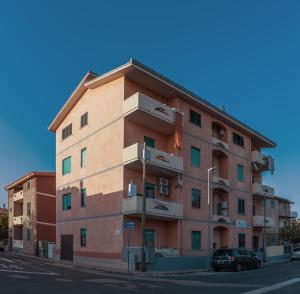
(242, 240)
(83, 158)
(196, 240)
(29, 234)
(83, 197)
(254, 210)
(241, 205)
(263, 202)
(83, 237)
(28, 185)
(67, 201)
(28, 208)
(196, 198)
(238, 139)
(272, 204)
(150, 190)
(67, 131)
(84, 120)
(195, 117)
(66, 165)
(149, 142)
(240, 173)
(195, 156)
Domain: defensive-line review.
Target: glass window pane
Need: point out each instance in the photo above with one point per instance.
(83, 160)
(66, 165)
(150, 142)
(195, 156)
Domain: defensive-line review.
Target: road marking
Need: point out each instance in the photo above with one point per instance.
(20, 277)
(274, 287)
(64, 280)
(32, 273)
(8, 260)
(10, 266)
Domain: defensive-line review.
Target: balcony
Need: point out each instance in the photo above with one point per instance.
(18, 244)
(159, 163)
(219, 143)
(150, 113)
(259, 189)
(261, 162)
(287, 213)
(220, 181)
(221, 218)
(18, 220)
(258, 221)
(154, 208)
(19, 196)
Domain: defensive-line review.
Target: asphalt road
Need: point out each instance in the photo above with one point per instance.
(22, 274)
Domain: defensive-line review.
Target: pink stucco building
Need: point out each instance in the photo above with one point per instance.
(100, 132)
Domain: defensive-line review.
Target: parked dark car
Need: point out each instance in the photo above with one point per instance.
(234, 259)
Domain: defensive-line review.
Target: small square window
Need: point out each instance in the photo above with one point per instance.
(238, 139)
(67, 131)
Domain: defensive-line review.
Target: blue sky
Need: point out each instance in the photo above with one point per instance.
(240, 54)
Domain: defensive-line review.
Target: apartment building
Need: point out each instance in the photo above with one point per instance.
(3, 211)
(32, 213)
(100, 132)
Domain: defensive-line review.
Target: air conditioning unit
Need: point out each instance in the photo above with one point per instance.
(164, 190)
(163, 182)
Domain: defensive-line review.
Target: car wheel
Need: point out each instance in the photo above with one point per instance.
(258, 265)
(238, 267)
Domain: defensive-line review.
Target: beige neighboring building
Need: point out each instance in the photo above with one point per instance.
(100, 132)
(31, 204)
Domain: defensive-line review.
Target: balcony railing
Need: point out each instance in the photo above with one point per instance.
(287, 213)
(220, 181)
(19, 196)
(259, 220)
(154, 208)
(261, 162)
(219, 143)
(260, 189)
(158, 162)
(18, 244)
(18, 220)
(150, 113)
(221, 218)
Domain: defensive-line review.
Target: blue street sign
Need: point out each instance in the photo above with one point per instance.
(129, 225)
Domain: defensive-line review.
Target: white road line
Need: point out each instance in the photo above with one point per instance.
(32, 273)
(10, 261)
(20, 277)
(274, 287)
(64, 280)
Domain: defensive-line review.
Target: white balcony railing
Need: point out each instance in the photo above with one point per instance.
(259, 220)
(259, 189)
(18, 220)
(150, 113)
(154, 207)
(19, 196)
(18, 244)
(220, 181)
(158, 162)
(220, 143)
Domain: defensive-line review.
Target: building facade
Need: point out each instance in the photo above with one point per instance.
(3, 211)
(100, 132)
(31, 211)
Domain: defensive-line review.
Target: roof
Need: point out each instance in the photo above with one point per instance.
(28, 177)
(3, 211)
(282, 199)
(142, 74)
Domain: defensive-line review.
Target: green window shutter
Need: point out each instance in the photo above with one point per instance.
(66, 165)
(195, 157)
(272, 203)
(263, 202)
(240, 173)
(83, 197)
(67, 201)
(196, 240)
(150, 142)
(83, 158)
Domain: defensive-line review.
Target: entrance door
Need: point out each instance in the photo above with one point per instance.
(255, 243)
(150, 238)
(66, 247)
